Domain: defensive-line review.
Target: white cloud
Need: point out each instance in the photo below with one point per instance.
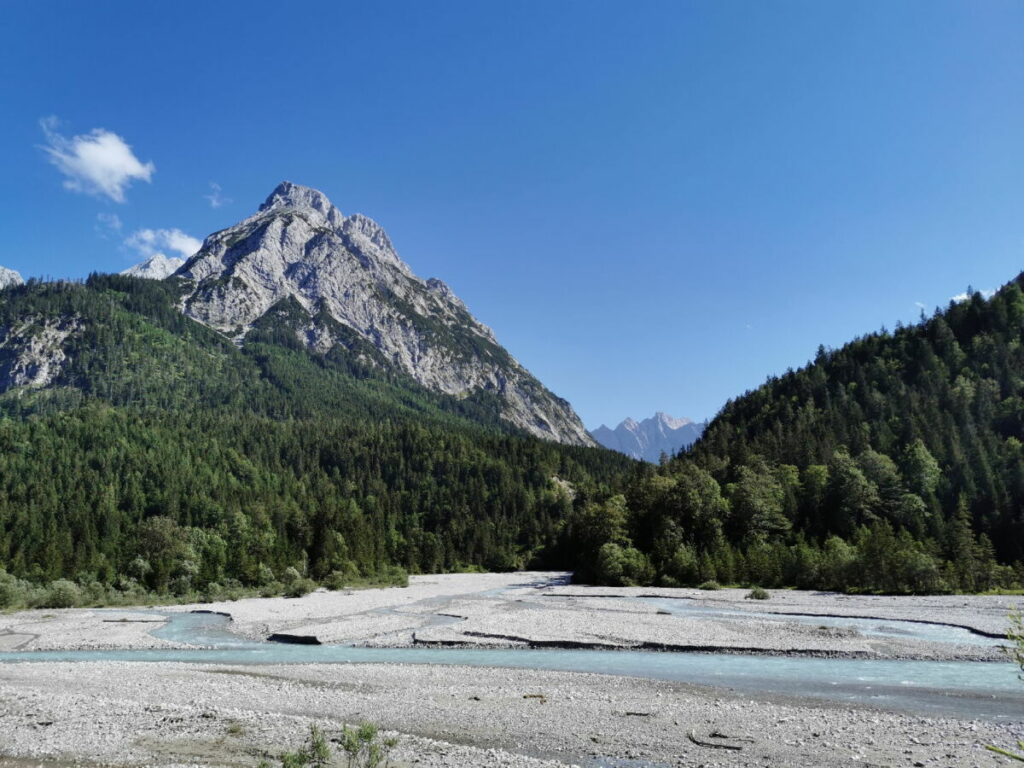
(215, 197)
(965, 296)
(97, 163)
(108, 224)
(920, 305)
(150, 242)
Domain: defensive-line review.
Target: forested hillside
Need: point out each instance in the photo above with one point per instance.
(161, 456)
(142, 451)
(894, 463)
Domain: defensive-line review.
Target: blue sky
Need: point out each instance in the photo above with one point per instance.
(654, 204)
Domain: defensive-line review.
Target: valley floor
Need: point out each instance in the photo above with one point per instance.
(541, 609)
(133, 713)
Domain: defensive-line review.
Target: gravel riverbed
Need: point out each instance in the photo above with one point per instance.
(134, 713)
(128, 713)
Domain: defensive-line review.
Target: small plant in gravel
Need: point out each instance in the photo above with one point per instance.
(316, 753)
(365, 748)
(1016, 636)
(709, 585)
(758, 593)
(235, 729)
(361, 747)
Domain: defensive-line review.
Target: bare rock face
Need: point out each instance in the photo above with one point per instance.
(345, 276)
(156, 267)
(9, 277)
(32, 352)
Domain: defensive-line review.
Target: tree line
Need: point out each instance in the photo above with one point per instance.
(165, 459)
(893, 464)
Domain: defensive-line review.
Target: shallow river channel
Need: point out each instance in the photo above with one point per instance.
(981, 690)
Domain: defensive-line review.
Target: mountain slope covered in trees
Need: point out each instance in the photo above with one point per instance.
(140, 448)
(895, 463)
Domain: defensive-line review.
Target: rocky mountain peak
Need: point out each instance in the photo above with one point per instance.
(301, 250)
(288, 195)
(9, 277)
(156, 267)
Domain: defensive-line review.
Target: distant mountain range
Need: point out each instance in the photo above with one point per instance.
(650, 438)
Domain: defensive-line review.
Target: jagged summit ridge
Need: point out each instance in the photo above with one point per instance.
(288, 195)
(299, 249)
(650, 438)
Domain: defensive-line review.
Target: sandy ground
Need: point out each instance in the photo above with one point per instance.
(127, 714)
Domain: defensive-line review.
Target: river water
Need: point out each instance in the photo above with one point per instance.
(977, 690)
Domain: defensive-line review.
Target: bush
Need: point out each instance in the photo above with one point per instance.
(300, 587)
(12, 591)
(61, 594)
(212, 592)
(622, 566)
(180, 585)
(363, 747)
(273, 589)
(264, 575)
(757, 593)
(710, 585)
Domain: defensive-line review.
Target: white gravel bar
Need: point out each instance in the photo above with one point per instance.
(541, 609)
(127, 713)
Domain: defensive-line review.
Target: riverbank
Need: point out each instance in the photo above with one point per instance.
(127, 713)
(542, 610)
(123, 713)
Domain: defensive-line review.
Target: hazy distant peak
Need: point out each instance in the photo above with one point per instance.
(670, 421)
(650, 438)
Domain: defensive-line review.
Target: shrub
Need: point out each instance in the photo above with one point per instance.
(757, 593)
(340, 579)
(180, 585)
(300, 587)
(264, 575)
(363, 747)
(12, 591)
(273, 589)
(709, 584)
(213, 591)
(1016, 636)
(622, 566)
(61, 594)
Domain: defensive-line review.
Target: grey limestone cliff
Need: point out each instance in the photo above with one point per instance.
(9, 277)
(156, 267)
(299, 253)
